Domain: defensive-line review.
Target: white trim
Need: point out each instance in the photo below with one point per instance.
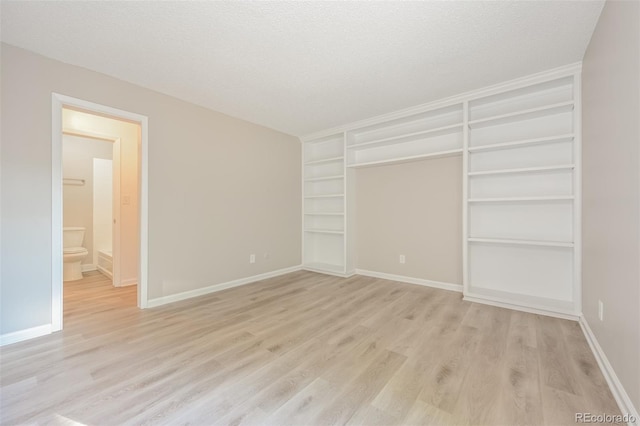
(411, 280)
(540, 77)
(159, 301)
(520, 306)
(465, 197)
(88, 267)
(577, 192)
(346, 259)
(303, 204)
(58, 101)
(29, 333)
(127, 282)
(618, 391)
(90, 134)
(56, 213)
(104, 272)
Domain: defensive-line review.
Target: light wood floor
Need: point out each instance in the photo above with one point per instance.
(301, 349)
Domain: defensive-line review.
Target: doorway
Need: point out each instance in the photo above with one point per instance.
(77, 120)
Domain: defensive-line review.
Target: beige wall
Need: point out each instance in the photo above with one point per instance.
(77, 200)
(611, 189)
(413, 209)
(220, 188)
(127, 161)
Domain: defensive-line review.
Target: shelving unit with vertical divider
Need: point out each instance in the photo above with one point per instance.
(520, 148)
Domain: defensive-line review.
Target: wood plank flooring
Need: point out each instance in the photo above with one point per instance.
(301, 349)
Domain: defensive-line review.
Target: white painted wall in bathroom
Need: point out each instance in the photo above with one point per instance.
(102, 206)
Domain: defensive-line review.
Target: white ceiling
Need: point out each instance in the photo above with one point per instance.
(301, 67)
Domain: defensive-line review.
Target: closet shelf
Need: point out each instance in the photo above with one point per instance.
(407, 159)
(389, 140)
(516, 144)
(518, 199)
(325, 196)
(324, 160)
(324, 214)
(321, 178)
(523, 170)
(523, 115)
(522, 242)
(325, 231)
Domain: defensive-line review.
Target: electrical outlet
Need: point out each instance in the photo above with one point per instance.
(402, 259)
(600, 310)
(252, 258)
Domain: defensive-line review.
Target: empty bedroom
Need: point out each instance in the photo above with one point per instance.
(318, 213)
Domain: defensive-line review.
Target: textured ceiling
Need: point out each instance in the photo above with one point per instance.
(301, 67)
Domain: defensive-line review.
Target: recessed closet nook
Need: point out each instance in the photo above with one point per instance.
(513, 152)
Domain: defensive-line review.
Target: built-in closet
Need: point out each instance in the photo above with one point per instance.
(520, 148)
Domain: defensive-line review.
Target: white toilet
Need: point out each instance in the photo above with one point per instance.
(73, 253)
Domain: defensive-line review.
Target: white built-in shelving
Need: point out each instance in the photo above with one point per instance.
(324, 204)
(519, 144)
(522, 205)
(431, 134)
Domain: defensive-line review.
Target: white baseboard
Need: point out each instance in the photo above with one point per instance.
(159, 301)
(128, 282)
(88, 267)
(411, 280)
(21, 335)
(104, 271)
(618, 391)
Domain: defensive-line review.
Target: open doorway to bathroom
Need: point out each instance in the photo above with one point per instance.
(100, 221)
(100, 208)
(100, 162)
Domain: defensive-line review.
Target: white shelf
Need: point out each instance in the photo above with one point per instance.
(508, 299)
(523, 170)
(522, 242)
(324, 267)
(387, 141)
(321, 178)
(397, 124)
(408, 159)
(325, 196)
(324, 160)
(526, 142)
(523, 115)
(325, 231)
(327, 139)
(324, 214)
(518, 199)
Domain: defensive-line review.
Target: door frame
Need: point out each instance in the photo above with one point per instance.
(58, 101)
